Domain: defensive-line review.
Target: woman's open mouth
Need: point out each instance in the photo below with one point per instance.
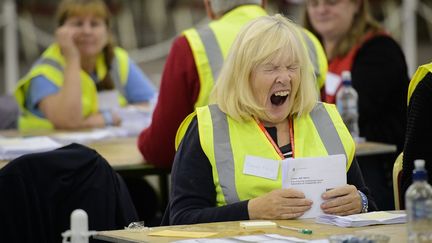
(279, 97)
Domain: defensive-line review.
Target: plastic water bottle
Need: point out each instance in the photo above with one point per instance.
(418, 201)
(347, 104)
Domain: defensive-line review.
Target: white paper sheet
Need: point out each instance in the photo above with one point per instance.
(108, 100)
(313, 176)
(332, 83)
(363, 219)
(11, 148)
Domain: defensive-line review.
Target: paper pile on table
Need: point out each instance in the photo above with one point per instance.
(11, 148)
(364, 219)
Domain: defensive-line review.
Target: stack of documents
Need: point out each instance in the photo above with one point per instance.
(134, 119)
(83, 137)
(364, 219)
(11, 148)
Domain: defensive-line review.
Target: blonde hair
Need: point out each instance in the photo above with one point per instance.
(70, 8)
(98, 8)
(363, 22)
(258, 42)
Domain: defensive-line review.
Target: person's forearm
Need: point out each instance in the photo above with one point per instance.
(71, 90)
(64, 109)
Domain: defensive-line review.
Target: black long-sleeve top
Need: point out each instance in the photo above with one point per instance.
(193, 195)
(418, 141)
(380, 76)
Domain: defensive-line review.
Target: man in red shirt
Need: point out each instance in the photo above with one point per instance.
(192, 67)
(181, 85)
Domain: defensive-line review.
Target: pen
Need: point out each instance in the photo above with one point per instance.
(303, 231)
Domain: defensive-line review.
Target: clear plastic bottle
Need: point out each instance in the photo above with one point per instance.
(347, 104)
(418, 201)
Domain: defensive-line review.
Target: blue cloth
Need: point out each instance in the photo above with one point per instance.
(138, 89)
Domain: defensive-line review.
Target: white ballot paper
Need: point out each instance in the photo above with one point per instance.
(108, 100)
(313, 177)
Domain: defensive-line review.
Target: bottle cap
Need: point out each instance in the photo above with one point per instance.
(419, 173)
(419, 164)
(346, 77)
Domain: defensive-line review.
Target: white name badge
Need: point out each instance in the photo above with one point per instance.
(261, 167)
(332, 83)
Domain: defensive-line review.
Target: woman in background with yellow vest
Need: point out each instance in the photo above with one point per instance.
(265, 106)
(61, 89)
(418, 138)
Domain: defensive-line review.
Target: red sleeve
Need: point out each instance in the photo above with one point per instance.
(178, 92)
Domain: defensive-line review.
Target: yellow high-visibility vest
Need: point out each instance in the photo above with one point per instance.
(226, 142)
(418, 76)
(51, 65)
(210, 46)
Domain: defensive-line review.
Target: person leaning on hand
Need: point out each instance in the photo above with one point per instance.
(264, 104)
(61, 89)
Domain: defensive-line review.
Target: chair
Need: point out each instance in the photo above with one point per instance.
(397, 174)
(39, 191)
(9, 112)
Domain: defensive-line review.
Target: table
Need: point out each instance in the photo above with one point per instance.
(396, 232)
(373, 148)
(123, 155)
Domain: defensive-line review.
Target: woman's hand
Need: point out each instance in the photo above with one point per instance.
(65, 37)
(116, 119)
(279, 204)
(343, 200)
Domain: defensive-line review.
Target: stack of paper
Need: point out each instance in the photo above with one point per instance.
(11, 148)
(134, 119)
(364, 219)
(82, 137)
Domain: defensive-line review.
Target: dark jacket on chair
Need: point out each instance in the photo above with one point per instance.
(39, 191)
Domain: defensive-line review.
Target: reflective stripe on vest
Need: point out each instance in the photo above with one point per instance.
(224, 157)
(114, 72)
(50, 62)
(329, 136)
(214, 52)
(211, 44)
(215, 57)
(312, 53)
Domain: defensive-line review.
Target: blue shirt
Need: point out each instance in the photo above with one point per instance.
(138, 89)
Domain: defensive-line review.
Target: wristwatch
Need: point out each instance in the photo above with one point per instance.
(364, 202)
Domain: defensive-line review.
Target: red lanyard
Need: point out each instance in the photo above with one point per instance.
(275, 146)
(291, 132)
